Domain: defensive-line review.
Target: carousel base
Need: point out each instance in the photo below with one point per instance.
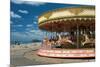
(67, 53)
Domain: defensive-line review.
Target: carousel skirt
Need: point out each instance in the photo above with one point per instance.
(67, 53)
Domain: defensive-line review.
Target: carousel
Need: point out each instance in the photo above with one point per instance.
(69, 32)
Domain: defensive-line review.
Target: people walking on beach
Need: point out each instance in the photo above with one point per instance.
(17, 43)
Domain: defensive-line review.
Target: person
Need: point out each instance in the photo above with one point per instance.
(47, 43)
(45, 40)
(15, 42)
(51, 44)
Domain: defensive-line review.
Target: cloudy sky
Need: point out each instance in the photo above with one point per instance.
(24, 15)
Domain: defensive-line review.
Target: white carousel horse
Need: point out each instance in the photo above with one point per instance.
(88, 40)
(63, 40)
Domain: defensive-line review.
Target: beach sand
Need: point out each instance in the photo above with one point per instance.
(25, 55)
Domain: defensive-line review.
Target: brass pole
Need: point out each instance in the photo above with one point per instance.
(77, 34)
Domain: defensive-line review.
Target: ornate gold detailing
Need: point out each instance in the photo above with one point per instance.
(48, 15)
(76, 11)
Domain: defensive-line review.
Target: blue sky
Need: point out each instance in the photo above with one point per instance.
(24, 16)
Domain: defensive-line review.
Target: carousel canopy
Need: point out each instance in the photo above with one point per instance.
(67, 18)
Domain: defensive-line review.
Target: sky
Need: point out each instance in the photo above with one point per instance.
(24, 16)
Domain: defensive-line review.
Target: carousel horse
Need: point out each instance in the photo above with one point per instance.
(88, 41)
(64, 42)
(67, 43)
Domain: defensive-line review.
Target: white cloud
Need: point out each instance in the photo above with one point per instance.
(38, 32)
(14, 15)
(28, 36)
(18, 25)
(25, 36)
(35, 22)
(23, 11)
(29, 25)
(20, 36)
(27, 2)
(17, 1)
(36, 17)
(28, 29)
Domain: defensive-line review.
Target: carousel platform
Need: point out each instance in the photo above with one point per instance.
(67, 53)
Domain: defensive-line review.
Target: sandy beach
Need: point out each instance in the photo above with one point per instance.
(25, 55)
